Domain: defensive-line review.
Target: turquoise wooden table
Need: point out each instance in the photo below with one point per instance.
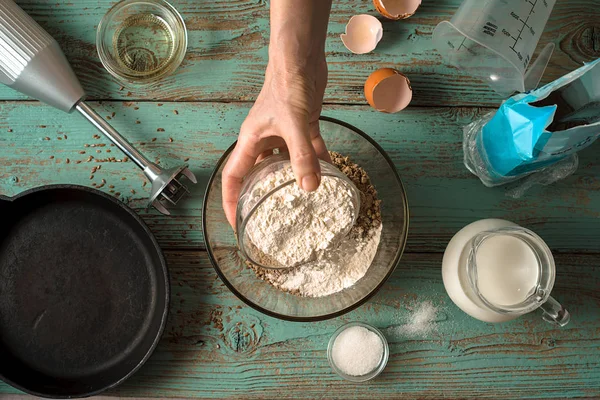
(215, 346)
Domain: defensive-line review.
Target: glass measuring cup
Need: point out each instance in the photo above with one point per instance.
(528, 287)
(494, 40)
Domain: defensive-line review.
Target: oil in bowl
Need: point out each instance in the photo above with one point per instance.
(144, 44)
(141, 41)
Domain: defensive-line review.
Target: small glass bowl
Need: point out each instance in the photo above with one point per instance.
(141, 41)
(370, 375)
(248, 203)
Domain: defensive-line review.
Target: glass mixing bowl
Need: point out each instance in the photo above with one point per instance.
(229, 262)
(249, 202)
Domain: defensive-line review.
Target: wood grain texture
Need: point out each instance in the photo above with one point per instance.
(228, 42)
(424, 144)
(215, 346)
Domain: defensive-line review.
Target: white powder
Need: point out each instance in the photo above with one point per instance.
(297, 225)
(336, 270)
(293, 226)
(422, 322)
(357, 351)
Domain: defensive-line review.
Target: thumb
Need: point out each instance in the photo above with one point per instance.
(305, 163)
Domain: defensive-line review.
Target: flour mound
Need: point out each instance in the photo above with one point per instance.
(339, 267)
(293, 226)
(334, 271)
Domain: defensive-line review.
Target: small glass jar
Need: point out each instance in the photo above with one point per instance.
(141, 41)
(248, 202)
(370, 375)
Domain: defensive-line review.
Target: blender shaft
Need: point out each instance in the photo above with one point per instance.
(112, 134)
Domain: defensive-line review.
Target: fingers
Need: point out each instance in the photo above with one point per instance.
(264, 155)
(315, 132)
(318, 142)
(242, 159)
(272, 143)
(305, 149)
(305, 163)
(283, 149)
(303, 142)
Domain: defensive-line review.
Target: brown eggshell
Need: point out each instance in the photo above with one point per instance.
(363, 32)
(388, 90)
(396, 9)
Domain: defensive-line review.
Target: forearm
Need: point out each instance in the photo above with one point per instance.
(298, 32)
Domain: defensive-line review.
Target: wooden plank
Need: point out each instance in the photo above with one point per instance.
(228, 51)
(460, 358)
(424, 143)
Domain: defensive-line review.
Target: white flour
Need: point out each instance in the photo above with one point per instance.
(293, 226)
(297, 226)
(334, 271)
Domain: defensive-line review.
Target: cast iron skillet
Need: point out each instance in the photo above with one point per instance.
(84, 291)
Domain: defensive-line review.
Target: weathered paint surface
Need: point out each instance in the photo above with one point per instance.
(228, 50)
(215, 346)
(424, 143)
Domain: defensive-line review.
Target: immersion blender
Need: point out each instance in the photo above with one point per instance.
(32, 63)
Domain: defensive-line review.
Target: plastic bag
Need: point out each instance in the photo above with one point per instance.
(536, 135)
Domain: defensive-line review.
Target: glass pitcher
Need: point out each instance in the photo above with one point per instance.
(502, 271)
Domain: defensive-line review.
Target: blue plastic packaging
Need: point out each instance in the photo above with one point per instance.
(532, 131)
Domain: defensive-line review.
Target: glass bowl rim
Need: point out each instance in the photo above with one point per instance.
(322, 317)
(242, 223)
(370, 375)
(103, 53)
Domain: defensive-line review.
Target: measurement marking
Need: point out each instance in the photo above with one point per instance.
(524, 25)
(523, 57)
(518, 37)
(525, 22)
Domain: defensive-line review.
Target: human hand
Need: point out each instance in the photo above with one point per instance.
(286, 113)
(285, 116)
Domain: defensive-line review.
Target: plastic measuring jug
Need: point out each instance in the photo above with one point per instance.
(494, 40)
(496, 271)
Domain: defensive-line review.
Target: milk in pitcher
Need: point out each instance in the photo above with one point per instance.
(495, 271)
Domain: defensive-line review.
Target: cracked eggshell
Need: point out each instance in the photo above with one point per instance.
(363, 32)
(396, 9)
(388, 90)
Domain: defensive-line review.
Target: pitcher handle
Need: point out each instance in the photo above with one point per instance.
(555, 313)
